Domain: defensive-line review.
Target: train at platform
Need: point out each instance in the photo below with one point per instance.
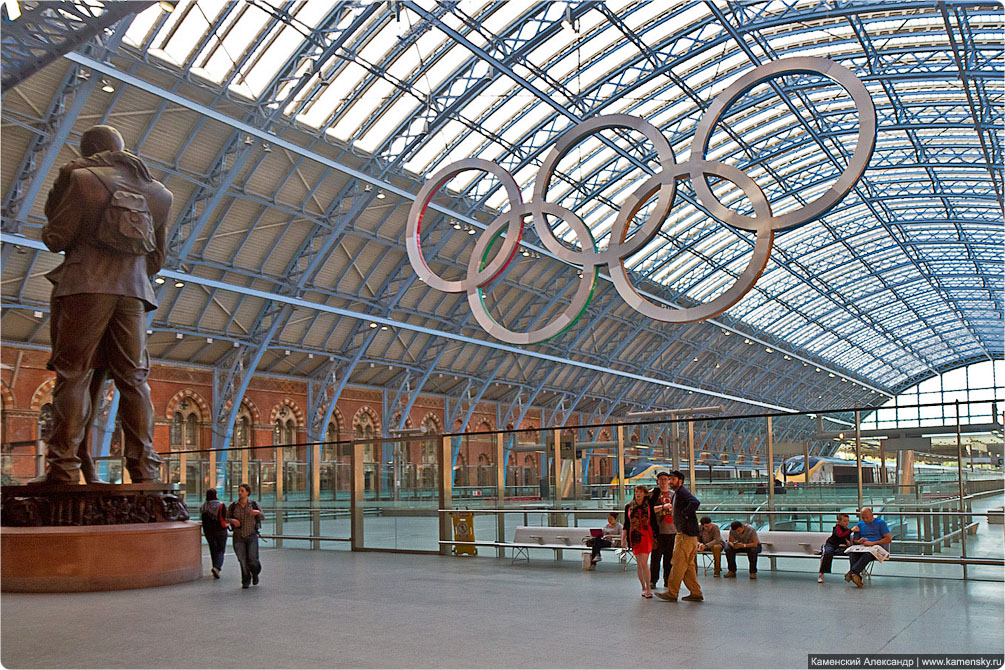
(842, 471)
(644, 471)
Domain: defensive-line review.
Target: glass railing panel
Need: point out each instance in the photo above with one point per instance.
(401, 513)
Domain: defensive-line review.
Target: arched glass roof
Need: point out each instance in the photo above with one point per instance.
(290, 119)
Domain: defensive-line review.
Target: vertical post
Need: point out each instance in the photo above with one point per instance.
(675, 455)
(182, 471)
(500, 492)
(771, 474)
(959, 470)
(39, 458)
(882, 462)
(444, 458)
(690, 455)
(315, 493)
(858, 456)
(280, 473)
(806, 463)
(280, 491)
(621, 467)
(244, 468)
(356, 485)
(212, 469)
(558, 466)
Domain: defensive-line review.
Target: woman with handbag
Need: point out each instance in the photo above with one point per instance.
(638, 535)
(245, 516)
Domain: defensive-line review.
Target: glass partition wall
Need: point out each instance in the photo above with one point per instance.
(937, 487)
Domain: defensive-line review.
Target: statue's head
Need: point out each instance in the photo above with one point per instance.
(100, 138)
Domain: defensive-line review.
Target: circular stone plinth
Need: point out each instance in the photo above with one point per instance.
(99, 558)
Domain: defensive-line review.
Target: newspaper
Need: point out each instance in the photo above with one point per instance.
(877, 551)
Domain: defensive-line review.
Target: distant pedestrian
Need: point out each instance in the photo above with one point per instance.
(638, 535)
(246, 517)
(214, 527)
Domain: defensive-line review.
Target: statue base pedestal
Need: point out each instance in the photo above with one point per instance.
(99, 558)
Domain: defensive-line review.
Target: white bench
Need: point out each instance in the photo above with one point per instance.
(555, 538)
(797, 544)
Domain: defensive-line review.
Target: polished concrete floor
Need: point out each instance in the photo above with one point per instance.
(342, 609)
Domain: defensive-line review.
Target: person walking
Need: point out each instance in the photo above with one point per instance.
(638, 535)
(214, 526)
(245, 516)
(685, 550)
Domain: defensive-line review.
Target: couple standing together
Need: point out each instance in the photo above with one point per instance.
(664, 523)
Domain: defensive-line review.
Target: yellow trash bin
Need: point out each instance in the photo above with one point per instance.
(464, 531)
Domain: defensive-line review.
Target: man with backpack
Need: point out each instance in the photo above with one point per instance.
(108, 214)
(245, 517)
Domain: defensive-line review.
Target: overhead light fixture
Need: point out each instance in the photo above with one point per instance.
(769, 350)
(383, 327)
(746, 341)
(179, 284)
(37, 314)
(471, 231)
(457, 225)
(178, 336)
(818, 369)
(266, 148)
(373, 325)
(525, 253)
(787, 357)
(830, 374)
(159, 280)
(166, 6)
(107, 87)
(380, 195)
(209, 340)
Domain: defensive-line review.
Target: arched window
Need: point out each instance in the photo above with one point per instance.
(185, 426)
(284, 432)
(242, 431)
(332, 435)
(484, 470)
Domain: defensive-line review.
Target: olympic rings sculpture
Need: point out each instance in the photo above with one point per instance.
(663, 185)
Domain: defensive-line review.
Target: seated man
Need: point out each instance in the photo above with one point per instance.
(742, 537)
(869, 531)
(839, 540)
(710, 539)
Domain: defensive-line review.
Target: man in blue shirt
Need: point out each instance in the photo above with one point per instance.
(869, 531)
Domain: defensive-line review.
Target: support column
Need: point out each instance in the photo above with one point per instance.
(280, 490)
(858, 455)
(806, 463)
(690, 454)
(959, 470)
(771, 477)
(315, 493)
(620, 497)
(356, 485)
(445, 479)
(558, 466)
(500, 493)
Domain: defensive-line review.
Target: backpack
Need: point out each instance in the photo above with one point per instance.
(126, 225)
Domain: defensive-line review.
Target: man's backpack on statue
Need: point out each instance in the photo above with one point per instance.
(126, 226)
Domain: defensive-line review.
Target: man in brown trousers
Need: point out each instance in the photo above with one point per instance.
(108, 214)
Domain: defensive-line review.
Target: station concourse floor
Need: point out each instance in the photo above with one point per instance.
(384, 610)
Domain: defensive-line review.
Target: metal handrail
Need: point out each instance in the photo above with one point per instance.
(553, 510)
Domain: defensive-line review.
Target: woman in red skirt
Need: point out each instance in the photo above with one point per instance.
(638, 535)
